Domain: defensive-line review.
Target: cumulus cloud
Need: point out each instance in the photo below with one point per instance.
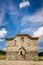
(24, 4)
(39, 32)
(36, 17)
(3, 32)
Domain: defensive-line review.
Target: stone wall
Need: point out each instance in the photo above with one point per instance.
(28, 56)
(31, 46)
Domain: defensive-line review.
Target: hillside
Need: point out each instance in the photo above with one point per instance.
(2, 55)
(40, 54)
(2, 52)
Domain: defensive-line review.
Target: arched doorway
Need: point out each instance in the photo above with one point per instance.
(22, 53)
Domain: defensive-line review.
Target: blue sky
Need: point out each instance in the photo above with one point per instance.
(21, 16)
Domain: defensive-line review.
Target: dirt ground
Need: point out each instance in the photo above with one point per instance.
(7, 62)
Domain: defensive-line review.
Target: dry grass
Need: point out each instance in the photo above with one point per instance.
(6, 62)
(40, 58)
(2, 57)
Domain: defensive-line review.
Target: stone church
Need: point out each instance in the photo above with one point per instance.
(22, 47)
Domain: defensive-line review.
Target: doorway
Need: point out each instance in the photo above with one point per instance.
(20, 52)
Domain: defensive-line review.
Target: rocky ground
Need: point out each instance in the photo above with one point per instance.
(6, 62)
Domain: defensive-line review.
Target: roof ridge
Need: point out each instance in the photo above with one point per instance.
(23, 35)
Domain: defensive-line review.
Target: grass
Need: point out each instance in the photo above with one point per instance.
(40, 58)
(2, 56)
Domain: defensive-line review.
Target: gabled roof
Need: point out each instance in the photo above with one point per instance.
(34, 38)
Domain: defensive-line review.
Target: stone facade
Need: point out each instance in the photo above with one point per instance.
(22, 47)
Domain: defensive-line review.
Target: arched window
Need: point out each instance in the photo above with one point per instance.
(22, 39)
(14, 42)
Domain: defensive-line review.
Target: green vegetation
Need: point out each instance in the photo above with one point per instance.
(40, 58)
(2, 55)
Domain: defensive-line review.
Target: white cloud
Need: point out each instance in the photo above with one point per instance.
(39, 32)
(40, 48)
(3, 32)
(36, 17)
(26, 30)
(41, 39)
(12, 9)
(1, 48)
(4, 49)
(24, 4)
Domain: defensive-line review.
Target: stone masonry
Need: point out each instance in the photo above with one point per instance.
(22, 47)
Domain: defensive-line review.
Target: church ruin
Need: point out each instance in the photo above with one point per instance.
(22, 47)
